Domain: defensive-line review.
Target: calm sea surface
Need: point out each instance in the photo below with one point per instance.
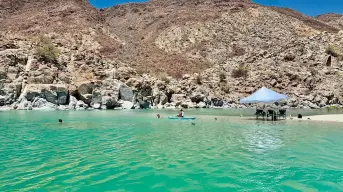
(135, 151)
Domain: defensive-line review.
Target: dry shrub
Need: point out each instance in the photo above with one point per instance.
(198, 80)
(222, 77)
(225, 88)
(46, 51)
(241, 71)
(289, 57)
(314, 72)
(164, 77)
(237, 51)
(333, 51)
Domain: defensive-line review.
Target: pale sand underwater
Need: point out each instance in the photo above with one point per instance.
(331, 118)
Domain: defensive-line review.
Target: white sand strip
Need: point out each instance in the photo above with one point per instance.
(332, 118)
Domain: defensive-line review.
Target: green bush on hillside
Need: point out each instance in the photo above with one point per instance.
(46, 51)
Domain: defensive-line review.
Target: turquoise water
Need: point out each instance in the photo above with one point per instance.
(135, 151)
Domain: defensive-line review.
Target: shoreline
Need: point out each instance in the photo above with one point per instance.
(325, 118)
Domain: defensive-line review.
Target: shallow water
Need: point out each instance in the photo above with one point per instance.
(135, 151)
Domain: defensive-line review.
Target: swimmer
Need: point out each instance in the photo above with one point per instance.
(158, 116)
(60, 121)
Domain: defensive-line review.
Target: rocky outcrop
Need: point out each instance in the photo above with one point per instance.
(54, 93)
(171, 53)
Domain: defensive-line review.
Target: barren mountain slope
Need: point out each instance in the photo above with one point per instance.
(332, 19)
(191, 35)
(229, 48)
(32, 17)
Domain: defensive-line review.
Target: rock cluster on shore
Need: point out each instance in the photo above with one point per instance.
(151, 55)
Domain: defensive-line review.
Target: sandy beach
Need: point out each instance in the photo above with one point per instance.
(331, 118)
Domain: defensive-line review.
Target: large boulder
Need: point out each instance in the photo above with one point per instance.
(96, 98)
(105, 93)
(201, 105)
(2, 100)
(110, 102)
(125, 92)
(127, 105)
(197, 97)
(85, 91)
(217, 102)
(72, 102)
(125, 73)
(53, 93)
(163, 99)
(42, 103)
(177, 99)
(81, 105)
(10, 93)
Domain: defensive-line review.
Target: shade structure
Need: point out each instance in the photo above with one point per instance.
(264, 95)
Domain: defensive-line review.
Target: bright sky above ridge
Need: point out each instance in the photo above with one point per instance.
(308, 7)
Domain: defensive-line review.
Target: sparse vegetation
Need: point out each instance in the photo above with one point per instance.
(241, 71)
(198, 79)
(333, 51)
(46, 51)
(314, 72)
(237, 51)
(222, 76)
(225, 88)
(289, 57)
(164, 77)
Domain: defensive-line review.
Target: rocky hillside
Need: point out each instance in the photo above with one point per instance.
(335, 20)
(169, 53)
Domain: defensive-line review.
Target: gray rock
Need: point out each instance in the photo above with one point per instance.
(40, 103)
(125, 92)
(178, 99)
(81, 104)
(197, 97)
(201, 105)
(2, 100)
(55, 93)
(96, 97)
(273, 82)
(217, 103)
(10, 92)
(110, 102)
(97, 106)
(72, 102)
(86, 88)
(313, 106)
(163, 99)
(21, 104)
(87, 98)
(127, 105)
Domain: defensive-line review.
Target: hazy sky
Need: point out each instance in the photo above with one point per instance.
(308, 7)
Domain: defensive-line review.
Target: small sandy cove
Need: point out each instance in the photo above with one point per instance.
(332, 118)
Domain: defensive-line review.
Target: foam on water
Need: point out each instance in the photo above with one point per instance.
(135, 151)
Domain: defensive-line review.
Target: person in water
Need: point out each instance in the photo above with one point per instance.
(181, 113)
(60, 121)
(158, 116)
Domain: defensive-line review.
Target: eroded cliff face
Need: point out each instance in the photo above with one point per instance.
(177, 52)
